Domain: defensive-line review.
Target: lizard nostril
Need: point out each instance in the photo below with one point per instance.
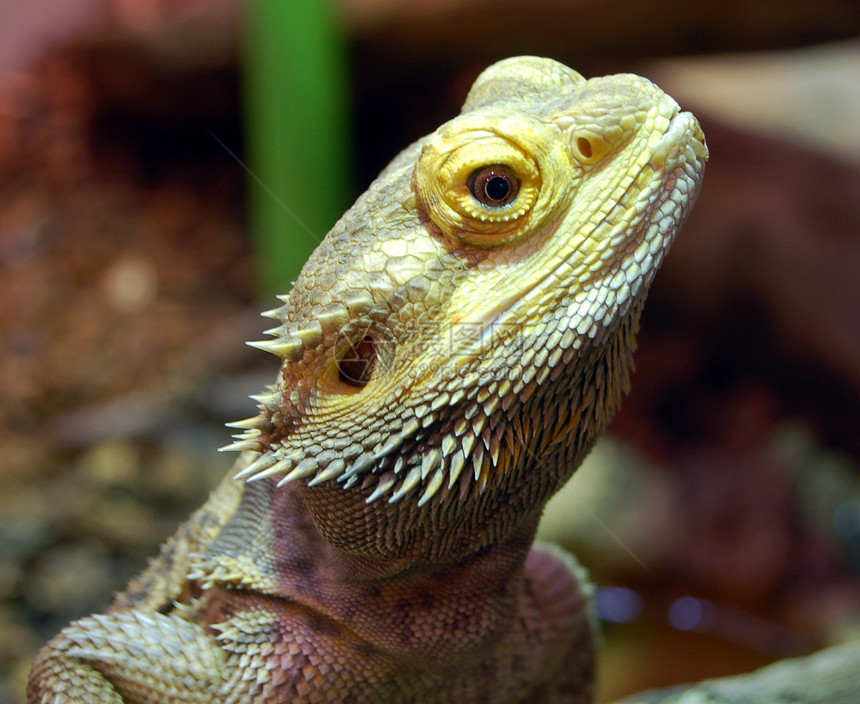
(589, 147)
(356, 367)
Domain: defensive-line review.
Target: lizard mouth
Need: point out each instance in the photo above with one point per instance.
(683, 132)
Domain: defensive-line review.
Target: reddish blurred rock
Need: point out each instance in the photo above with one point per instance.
(766, 275)
(456, 32)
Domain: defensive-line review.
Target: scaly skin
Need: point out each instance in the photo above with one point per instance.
(451, 352)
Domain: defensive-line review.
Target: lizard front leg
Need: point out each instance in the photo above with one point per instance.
(136, 652)
(130, 657)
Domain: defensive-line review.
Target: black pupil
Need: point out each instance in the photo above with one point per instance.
(497, 188)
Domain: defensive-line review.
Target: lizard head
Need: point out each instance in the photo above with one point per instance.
(470, 320)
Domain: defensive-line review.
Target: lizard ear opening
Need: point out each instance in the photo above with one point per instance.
(355, 368)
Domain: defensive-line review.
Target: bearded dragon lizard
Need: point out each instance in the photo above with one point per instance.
(450, 352)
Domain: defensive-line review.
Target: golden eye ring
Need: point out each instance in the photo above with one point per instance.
(482, 187)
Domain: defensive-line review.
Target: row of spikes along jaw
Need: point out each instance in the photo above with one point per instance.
(456, 442)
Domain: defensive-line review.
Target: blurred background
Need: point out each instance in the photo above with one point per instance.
(167, 165)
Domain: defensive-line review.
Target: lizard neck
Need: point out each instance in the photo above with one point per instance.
(381, 598)
(458, 606)
(501, 559)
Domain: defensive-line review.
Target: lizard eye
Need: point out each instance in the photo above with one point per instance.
(483, 187)
(494, 186)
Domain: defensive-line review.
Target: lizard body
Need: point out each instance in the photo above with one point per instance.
(451, 352)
